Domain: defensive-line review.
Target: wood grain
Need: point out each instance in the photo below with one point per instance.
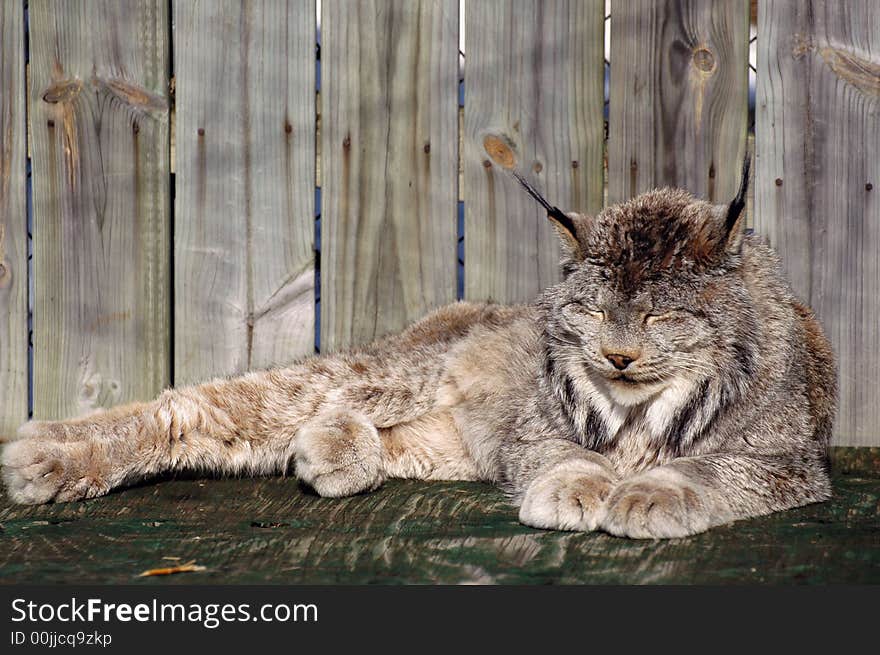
(533, 78)
(99, 119)
(271, 531)
(678, 111)
(13, 223)
(818, 180)
(389, 162)
(244, 210)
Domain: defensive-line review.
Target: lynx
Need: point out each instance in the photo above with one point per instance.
(671, 382)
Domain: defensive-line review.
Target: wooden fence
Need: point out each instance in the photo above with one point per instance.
(160, 260)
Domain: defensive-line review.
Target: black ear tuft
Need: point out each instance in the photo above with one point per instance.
(555, 214)
(735, 208)
(563, 221)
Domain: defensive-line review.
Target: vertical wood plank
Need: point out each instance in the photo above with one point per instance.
(13, 223)
(679, 97)
(818, 180)
(389, 164)
(245, 185)
(533, 78)
(99, 119)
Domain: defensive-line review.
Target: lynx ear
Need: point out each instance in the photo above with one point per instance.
(733, 216)
(569, 227)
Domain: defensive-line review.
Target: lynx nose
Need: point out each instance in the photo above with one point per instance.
(619, 360)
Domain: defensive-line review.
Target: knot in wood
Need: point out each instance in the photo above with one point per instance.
(500, 150)
(704, 60)
(62, 91)
(863, 74)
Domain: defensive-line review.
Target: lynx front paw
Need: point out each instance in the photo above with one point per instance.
(570, 496)
(44, 470)
(339, 453)
(660, 503)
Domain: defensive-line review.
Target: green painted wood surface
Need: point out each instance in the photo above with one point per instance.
(817, 196)
(13, 222)
(245, 185)
(389, 122)
(679, 97)
(99, 124)
(270, 531)
(534, 79)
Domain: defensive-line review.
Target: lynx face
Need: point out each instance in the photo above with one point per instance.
(635, 346)
(641, 307)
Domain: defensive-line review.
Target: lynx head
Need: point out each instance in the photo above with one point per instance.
(651, 295)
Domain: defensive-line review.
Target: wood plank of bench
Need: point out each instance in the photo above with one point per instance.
(272, 530)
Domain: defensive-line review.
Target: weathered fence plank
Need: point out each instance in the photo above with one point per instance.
(245, 185)
(534, 79)
(13, 223)
(679, 96)
(818, 179)
(389, 164)
(99, 119)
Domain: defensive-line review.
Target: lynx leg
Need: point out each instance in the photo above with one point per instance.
(428, 448)
(692, 494)
(222, 426)
(245, 425)
(339, 453)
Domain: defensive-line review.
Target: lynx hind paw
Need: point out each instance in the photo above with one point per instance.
(339, 453)
(39, 471)
(570, 496)
(658, 504)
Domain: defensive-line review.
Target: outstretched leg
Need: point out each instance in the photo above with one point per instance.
(228, 426)
(333, 417)
(246, 425)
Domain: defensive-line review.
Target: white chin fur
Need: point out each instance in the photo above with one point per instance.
(629, 394)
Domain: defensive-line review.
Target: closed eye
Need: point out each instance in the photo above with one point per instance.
(656, 317)
(589, 310)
